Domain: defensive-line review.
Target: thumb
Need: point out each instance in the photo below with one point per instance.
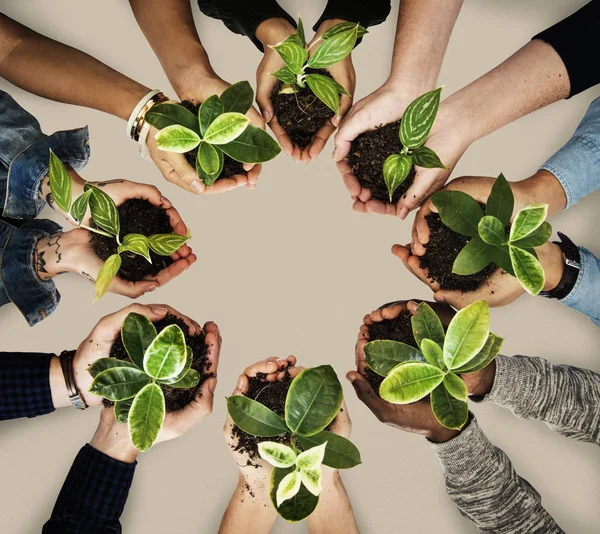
(365, 392)
(349, 129)
(263, 95)
(202, 404)
(184, 175)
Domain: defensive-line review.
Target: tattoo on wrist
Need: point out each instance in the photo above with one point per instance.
(88, 277)
(40, 263)
(42, 259)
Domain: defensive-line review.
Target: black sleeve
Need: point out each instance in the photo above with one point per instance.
(575, 39)
(365, 12)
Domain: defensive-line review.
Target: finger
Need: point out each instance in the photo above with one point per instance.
(174, 270)
(147, 192)
(363, 332)
(359, 206)
(256, 118)
(380, 208)
(349, 129)
(424, 182)
(421, 229)
(350, 180)
(364, 195)
(193, 327)
(359, 355)
(365, 393)
(222, 185)
(295, 371)
(253, 175)
(342, 424)
(130, 289)
(111, 324)
(200, 407)
(265, 83)
(393, 312)
(367, 319)
(181, 173)
(179, 228)
(282, 137)
(213, 350)
(264, 367)
(320, 140)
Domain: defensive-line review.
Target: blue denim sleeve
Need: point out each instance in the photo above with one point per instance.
(24, 157)
(19, 282)
(577, 164)
(585, 296)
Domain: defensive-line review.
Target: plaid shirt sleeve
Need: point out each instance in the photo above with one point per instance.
(93, 496)
(24, 385)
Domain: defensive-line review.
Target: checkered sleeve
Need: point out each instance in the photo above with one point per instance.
(24, 385)
(93, 496)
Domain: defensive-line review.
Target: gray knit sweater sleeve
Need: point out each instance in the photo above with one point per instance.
(483, 484)
(564, 397)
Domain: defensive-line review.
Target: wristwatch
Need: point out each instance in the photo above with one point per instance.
(572, 259)
(66, 364)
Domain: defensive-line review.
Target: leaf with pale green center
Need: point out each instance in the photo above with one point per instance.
(146, 417)
(108, 271)
(334, 49)
(166, 355)
(311, 478)
(501, 257)
(207, 178)
(298, 507)
(458, 211)
(210, 109)
(340, 453)
(312, 457)
(288, 487)
(342, 27)
(209, 159)
(225, 128)
(326, 90)
(289, 89)
(410, 382)
(277, 454)
(501, 202)
(427, 325)
(80, 206)
(491, 230)
(466, 335)
(177, 138)
(419, 118)
(167, 244)
(300, 32)
(396, 169)
(163, 115)
(537, 238)
(449, 412)
(252, 146)
(238, 98)
(106, 363)
(189, 359)
(137, 333)
(427, 158)
(528, 270)
(529, 219)
(293, 55)
(60, 183)
(382, 355)
(190, 380)
(105, 213)
(485, 356)
(254, 418)
(136, 243)
(119, 383)
(473, 258)
(285, 75)
(433, 353)
(456, 387)
(121, 410)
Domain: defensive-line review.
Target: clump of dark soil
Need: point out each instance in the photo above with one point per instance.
(175, 398)
(140, 217)
(443, 248)
(368, 153)
(230, 166)
(301, 114)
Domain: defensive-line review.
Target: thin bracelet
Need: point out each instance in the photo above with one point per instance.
(136, 119)
(142, 141)
(66, 364)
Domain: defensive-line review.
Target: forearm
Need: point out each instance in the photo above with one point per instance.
(53, 70)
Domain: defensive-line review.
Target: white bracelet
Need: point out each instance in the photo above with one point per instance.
(137, 109)
(142, 145)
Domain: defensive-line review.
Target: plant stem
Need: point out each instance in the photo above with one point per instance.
(97, 231)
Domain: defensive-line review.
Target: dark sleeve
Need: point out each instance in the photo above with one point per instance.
(93, 496)
(366, 13)
(24, 385)
(575, 39)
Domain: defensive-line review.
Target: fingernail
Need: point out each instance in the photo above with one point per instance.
(158, 310)
(336, 121)
(268, 116)
(438, 298)
(165, 201)
(151, 288)
(403, 213)
(335, 154)
(240, 382)
(198, 186)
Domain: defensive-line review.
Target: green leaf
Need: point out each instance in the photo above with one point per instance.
(80, 206)
(119, 383)
(491, 230)
(456, 387)
(167, 244)
(427, 325)
(537, 238)
(474, 257)
(238, 98)
(136, 243)
(326, 90)
(383, 355)
(209, 159)
(528, 270)
(137, 333)
(433, 353)
(108, 271)
(288, 487)
(277, 454)
(189, 358)
(449, 412)
(467, 333)
(311, 478)
(210, 109)
(396, 169)
(289, 89)
(410, 382)
(190, 380)
(311, 458)
(254, 418)
(458, 211)
(106, 363)
(285, 75)
(225, 128)
(121, 410)
(427, 158)
(163, 115)
(252, 146)
(485, 356)
(334, 49)
(340, 453)
(300, 33)
(501, 257)
(501, 202)
(60, 183)
(293, 55)
(298, 507)
(529, 219)
(342, 27)
(177, 138)
(209, 179)
(146, 417)
(166, 355)
(104, 210)
(419, 118)
(313, 400)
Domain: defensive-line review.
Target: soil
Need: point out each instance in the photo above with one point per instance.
(230, 166)
(368, 153)
(140, 217)
(301, 114)
(175, 398)
(443, 247)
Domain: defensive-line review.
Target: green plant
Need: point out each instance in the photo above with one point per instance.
(433, 369)
(221, 127)
(312, 403)
(338, 43)
(415, 126)
(105, 216)
(134, 384)
(512, 251)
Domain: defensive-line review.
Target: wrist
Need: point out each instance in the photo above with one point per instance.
(272, 31)
(480, 383)
(77, 187)
(112, 438)
(48, 260)
(191, 71)
(327, 25)
(543, 187)
(442, 435)
(550, 256)
(58, 387)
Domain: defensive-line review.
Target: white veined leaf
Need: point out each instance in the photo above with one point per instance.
(225, 128)
(395, 170)
(108, 271)
(326, 89)
(334, 49)
(418, 119)
(60, 183)
(293, 55)
(136, 243)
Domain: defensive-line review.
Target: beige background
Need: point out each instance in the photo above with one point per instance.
(289, 268)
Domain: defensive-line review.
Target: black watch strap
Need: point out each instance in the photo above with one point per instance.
(66, 364)
(571, 271)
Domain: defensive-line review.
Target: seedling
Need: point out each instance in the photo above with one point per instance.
(513, 251)
(105, 215)
(221, 127)
(312, 403)
(415, 126)
(134, 385)
(338, 43)
(411, 374)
